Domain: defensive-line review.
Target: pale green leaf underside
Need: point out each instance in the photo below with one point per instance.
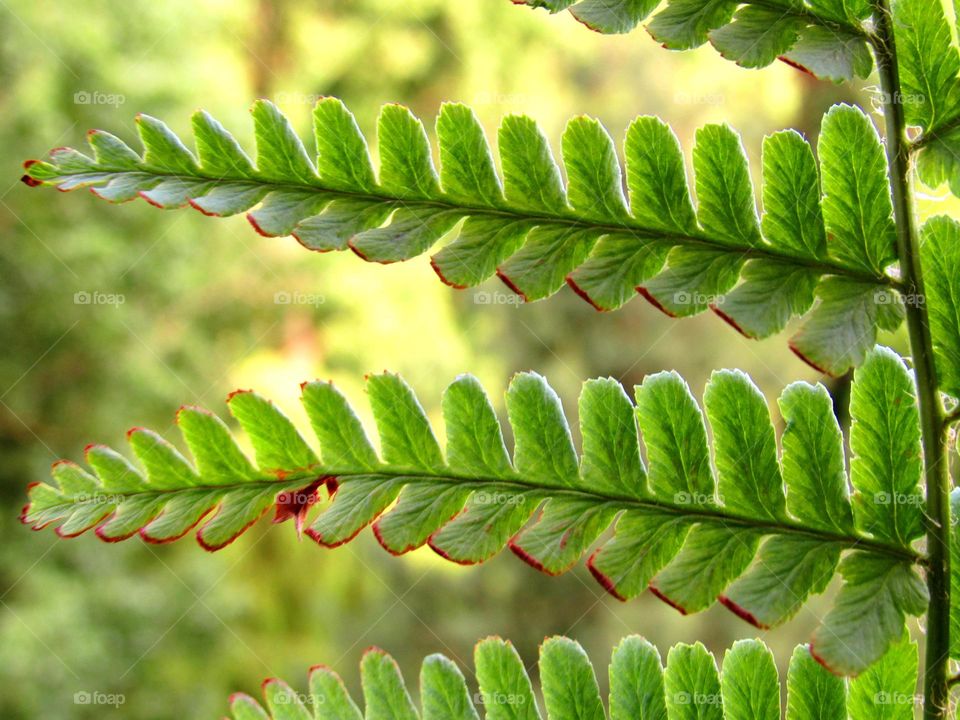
(759, 538)
(689, 687)
(824, 243)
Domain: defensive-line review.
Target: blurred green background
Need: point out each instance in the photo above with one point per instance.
(173, 629)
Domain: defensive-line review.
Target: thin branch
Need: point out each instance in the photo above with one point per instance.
(936, 670)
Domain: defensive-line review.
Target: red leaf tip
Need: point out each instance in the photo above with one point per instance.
(443, 278)
(672, 603)
(196, 206)
(796, 65)
(583, 294)
(656, 303)
(512, 285)
(529, 559)
(143, 194)
(823, 663)
(605, 581)
(260, 231)
(800, 354)
(729, 320)
(132, 431)
(741, 612)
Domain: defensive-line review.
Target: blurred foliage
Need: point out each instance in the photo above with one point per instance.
(175, 630)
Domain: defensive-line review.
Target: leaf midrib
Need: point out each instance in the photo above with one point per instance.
(624, 502)
(823, 267)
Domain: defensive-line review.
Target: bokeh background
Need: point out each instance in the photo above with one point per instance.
(172, 629)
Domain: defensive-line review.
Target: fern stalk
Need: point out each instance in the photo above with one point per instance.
(936, 677)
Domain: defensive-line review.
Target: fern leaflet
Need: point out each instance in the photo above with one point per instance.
(761, 534)
(534, 232)
(690, 687)
(824, 37)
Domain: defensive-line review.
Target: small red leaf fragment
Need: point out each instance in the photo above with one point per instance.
(296, 503)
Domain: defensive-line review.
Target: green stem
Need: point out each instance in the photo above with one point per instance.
(936, 668)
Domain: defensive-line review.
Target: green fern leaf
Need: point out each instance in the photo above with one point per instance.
(825, 37)
(813, 694)
(537, 234)
(940, 254)
(764, 535)
(929, 67)
(929, 64)
(690, 687)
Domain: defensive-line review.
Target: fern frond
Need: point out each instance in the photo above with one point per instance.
(824, 37)
(690, 687)
(536, 233)
(761, 534)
